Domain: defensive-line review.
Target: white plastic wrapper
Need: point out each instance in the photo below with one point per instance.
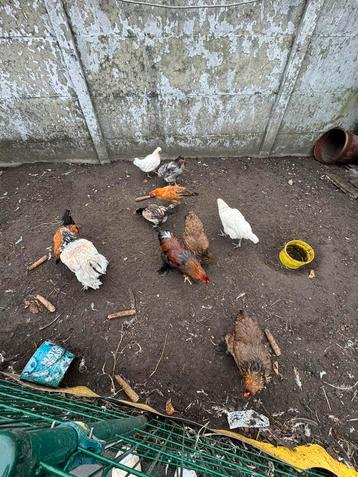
(248, 418)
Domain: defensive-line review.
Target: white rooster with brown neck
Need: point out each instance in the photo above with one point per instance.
(234, 223)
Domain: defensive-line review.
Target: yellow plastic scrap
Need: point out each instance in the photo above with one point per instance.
(78, 391)
(75, 390)
(301, 457)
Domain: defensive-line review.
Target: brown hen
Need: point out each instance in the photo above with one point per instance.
(174, 255)
(247, 347)
(195, 238)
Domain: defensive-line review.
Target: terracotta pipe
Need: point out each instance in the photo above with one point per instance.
(336, 146)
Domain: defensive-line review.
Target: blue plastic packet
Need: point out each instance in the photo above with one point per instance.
(48, 365)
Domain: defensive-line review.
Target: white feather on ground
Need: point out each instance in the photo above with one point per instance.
(150, 162)
(234, 223)
(83, 259)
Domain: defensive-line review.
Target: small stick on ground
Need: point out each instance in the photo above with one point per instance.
(160, 358)
(52, 322)
(144, 197)
(121, 314)
(49, 306)
(133, 396)
(272, 342)
(38, 262)
(325, 395)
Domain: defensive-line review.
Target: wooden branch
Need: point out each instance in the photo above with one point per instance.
(272, 342)
(121, 314)
(144, 197)
(133, 396)
(45, 303)
(38, 262)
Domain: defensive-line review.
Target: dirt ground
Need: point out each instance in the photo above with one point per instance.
(171, 348)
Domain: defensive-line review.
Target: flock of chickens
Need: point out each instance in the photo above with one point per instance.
(189, 256)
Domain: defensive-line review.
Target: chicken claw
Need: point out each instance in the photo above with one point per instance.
(187, 279)
(237, 245)
(222, 234)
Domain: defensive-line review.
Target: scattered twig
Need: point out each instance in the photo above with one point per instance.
(272, 342)
(133, 396)
(38, 262)
(51, 323)
(325, 395)
(121, 314)
(160, 358)
(342, 388)
(49, 306)
(115, 360)
(144, 197)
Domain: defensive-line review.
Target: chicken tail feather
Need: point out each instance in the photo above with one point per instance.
(254, 238)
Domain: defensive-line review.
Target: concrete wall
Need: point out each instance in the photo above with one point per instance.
(101, 79)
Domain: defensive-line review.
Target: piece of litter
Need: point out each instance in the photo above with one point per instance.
(297, 378)
(307, 430)
(249, 418)
(82, 366)
(290, 182)
(322, 373)
(18, 240)
(312, 274)
(130, 461)
(92, 307)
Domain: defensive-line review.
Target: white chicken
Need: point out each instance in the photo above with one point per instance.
(234, 223)
(83, 259)
(150, 162)
(79, 255)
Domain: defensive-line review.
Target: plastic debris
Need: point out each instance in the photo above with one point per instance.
(48, 365)
(249, 418)
(131, 461)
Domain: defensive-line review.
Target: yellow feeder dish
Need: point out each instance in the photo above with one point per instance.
(295, 254)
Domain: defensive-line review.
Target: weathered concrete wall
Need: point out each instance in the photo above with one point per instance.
(40, 118)
(257, 79)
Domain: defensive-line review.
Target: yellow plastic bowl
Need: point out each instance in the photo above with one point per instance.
(295, 254)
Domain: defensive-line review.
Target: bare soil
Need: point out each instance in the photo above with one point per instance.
(171, 348)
